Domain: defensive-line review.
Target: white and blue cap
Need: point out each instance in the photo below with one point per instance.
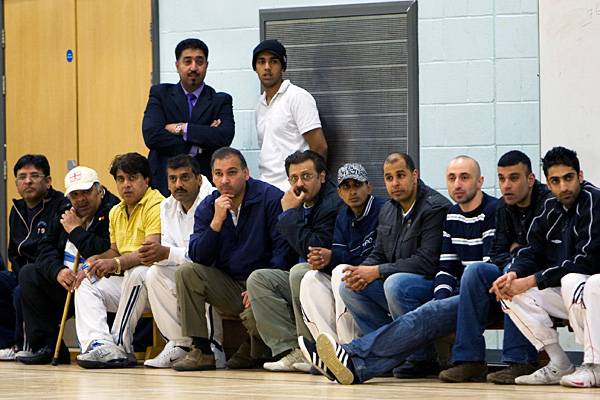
(352, 171)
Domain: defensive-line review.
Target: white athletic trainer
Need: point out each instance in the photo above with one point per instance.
(8, 354)
(548, 375)
(302, 367)
(588, 375)
(167, 356)
(105, 355)
(286, 364)
(24, 353)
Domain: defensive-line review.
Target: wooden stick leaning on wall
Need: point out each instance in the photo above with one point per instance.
(65, 312)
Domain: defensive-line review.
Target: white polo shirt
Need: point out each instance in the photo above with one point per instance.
(280, 126)
(177, 225)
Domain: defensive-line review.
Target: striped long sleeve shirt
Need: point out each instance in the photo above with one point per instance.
(467, 238)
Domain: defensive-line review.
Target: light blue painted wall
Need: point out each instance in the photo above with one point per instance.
(478, 83)
(477, 63)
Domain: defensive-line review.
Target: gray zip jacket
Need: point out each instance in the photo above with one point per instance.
(411, 243)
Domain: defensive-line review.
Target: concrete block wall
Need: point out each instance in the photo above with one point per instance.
(478, 73)
(231, 31)
(478, 64)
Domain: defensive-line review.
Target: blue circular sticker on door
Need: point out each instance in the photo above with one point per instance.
(69, 55)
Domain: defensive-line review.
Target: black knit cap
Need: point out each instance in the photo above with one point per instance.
(272, 46)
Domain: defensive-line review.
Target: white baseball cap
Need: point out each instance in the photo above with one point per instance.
(80, 178)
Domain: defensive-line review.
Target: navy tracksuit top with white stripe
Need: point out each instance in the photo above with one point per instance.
(562, 241)
(467, 238)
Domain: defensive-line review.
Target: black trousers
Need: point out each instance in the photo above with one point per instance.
(43, 302)
(8, 283)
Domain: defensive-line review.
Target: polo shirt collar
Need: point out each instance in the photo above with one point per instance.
(282, 89)
(142, 201)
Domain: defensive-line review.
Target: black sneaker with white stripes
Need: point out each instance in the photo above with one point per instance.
(309, 351)
(336, 359)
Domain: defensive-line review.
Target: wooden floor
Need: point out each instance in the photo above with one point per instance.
(18, 381)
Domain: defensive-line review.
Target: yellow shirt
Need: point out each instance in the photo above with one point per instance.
(129, 232)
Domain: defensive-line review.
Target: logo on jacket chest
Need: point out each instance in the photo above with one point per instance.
(41, 227)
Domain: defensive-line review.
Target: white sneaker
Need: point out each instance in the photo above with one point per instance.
(167, 357)
(302, 367)
(548, 375)
(588, 375)
(24, 353)
(286, 364)
(105, 355)
(8, 354)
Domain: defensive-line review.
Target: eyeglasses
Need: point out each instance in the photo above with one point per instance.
(305, 177)
(34, 177)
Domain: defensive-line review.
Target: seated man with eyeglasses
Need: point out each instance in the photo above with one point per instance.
(28, 222)
(310, 208)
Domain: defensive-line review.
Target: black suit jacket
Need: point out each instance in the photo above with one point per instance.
(168, 104)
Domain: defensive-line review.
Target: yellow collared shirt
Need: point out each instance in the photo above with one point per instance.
(129, 232)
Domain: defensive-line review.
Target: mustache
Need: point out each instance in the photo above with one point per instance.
(180, 191)
(301, 190)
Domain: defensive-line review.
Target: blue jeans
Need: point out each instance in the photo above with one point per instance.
(383, 349)
(379, 351)
(476, 309)
(380, 302)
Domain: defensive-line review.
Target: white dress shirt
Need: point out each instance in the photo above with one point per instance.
(177, 225)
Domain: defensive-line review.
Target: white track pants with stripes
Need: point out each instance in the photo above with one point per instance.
(162, 294)
(578, 300)
(323, 309)
(126, 295)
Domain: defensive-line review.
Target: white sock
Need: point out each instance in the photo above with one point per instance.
(557, 356)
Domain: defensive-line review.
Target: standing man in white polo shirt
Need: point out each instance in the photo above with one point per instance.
(287, 119)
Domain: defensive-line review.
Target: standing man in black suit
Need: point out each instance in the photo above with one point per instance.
(188, 117)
